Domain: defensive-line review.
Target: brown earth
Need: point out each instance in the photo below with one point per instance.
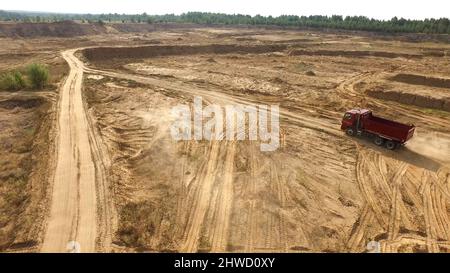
(321, 191)
(106, 53)
(57, 29)
(355, 54)
(411, 89)
(412, 99)
(422, 80)
(25, 123)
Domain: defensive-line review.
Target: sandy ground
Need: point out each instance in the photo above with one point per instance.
(134, 188)
(73, 209)
(25, 122)
(320, 192)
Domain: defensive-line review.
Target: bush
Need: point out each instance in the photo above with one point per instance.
(38, 75)
(12, 81)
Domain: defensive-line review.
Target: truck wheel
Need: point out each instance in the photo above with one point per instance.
(390, 145)
(378, 141)
(350, 131)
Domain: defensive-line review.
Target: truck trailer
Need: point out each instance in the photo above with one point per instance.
(384, 132)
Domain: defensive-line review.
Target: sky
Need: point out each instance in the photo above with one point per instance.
(378, 9)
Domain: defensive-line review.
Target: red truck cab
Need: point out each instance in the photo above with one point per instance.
(385, 132)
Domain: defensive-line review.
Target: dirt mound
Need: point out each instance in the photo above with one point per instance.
(412, 99)
(134, 27)
(435, 52)
(421, 80)
(57, 29)
(106, 53)
(353, 53)
(139, 27)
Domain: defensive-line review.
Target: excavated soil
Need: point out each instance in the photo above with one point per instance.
(105, 53)
(422, 80)
(411, 89)
(355, 54)
(321, 191)
(26, 125)
(412, 99)
(57, 29)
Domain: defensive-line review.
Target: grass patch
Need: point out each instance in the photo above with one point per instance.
(36, 77)
(12, 81)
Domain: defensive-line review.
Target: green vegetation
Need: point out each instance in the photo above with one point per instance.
(37, 75)
(12, 81)
(430, 26)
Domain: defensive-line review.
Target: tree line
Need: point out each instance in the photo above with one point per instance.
(394, 25)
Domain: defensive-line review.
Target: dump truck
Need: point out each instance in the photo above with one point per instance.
(384, 132)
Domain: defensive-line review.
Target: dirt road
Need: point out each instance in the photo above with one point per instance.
(74, 204)
(217, 96)
(81, 205)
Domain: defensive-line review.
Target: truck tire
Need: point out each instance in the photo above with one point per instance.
(379, 141)
(350, 131)
(390, 145)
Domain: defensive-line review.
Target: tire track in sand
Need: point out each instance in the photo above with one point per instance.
(222, 222)
(201, 201)
(358, 233)
(428, 214)
(395, 213)
(364, 178)
(249, 244)
(73, 209)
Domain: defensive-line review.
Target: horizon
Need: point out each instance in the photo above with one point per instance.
(177, 14)
(413, 10)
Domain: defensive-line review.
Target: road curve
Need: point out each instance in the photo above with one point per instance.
(73, 209)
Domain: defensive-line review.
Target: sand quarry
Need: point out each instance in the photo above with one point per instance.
(91, 158)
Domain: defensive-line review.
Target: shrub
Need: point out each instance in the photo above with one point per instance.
(38, 75)
(18, 78)
(12, 81)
